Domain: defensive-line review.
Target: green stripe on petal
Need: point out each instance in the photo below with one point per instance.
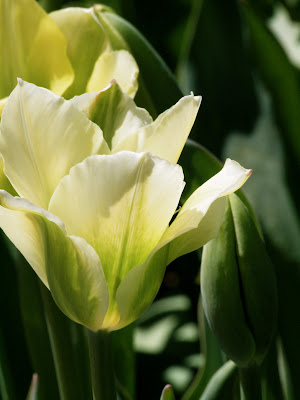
(42, 137)
(118, 65)
(197, 222)
(32, 46)
(140, 286)
(69, 266)
(166, 136)
(114, 111)
(121, 204)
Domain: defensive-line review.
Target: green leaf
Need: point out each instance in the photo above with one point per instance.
(223, 384)
(280, 76)
(37, 338)
(212, 354)
(7, 387)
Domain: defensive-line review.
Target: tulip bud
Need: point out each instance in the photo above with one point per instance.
(238, 286)
(167, 393)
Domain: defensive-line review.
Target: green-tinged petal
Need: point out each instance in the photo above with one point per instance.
(42, 137)
(167, 135)
(69, 266)
(121, 204)
(32, 47)
(114, 111)
(17, 223)
(118, 65)
(140, 286)
(196, 224)
(4, 182)
(86, 42)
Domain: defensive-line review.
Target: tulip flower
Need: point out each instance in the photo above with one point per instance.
(94, 223)
(67, 51)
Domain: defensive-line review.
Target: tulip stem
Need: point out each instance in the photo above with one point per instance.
(58, 326)
(250, 383)
(101, 359)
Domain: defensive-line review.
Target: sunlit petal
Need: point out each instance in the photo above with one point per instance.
(166, 136)
(69, 266)
(114, 111)
(118, 65)
(48, 136)
(32, 47)
(196, 224)
(121, 204)
(86, 42)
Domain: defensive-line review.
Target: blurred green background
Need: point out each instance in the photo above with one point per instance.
(243, 57)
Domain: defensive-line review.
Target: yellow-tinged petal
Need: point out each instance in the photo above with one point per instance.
(166, 136)
(121, 204)
(42, 137)
(114, 111)
(33, 47)
(2, 104)
(86, 42)
(69, 266)
(118, 65)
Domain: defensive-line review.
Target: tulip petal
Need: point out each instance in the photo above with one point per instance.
(86, 42)
(121, 204)
(167, 135)
(69, 266)
(140, 286)
(48, 136)
(197, 222)
(118, 65)
(33, 47)
(200, 217)
(114, 111)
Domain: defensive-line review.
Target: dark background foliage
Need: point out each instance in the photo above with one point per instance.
(249, 80)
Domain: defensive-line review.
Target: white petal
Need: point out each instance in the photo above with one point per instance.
(121, 204)
(118, 65)
(196, 224)
(166, 136)
(69, 266)
(42, 137)
(115, 112)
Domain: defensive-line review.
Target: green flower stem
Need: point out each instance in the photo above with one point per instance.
(60, 337)
(250, 383)
(102, 370)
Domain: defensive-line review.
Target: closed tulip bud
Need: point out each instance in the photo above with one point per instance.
(238, 286)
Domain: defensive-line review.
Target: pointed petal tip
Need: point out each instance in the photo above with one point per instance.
(21, 82)
(234, 168)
